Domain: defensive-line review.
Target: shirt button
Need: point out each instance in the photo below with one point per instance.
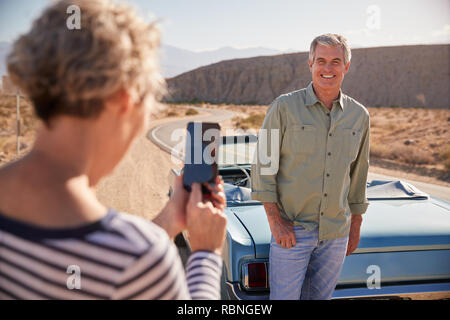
(324, 194)
(329, 153)
(328, 114)
(328, 174)
(321, 213)
(330, 134)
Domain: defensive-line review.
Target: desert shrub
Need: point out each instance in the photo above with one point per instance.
(253, 121)
(411, 155)
(375, 123)
(390, 126)
(380, 151)
(403, 153)
(445, 157)
(191, 112)
(8, 144)
(3, 124)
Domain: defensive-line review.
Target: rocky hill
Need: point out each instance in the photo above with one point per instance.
(403, 76)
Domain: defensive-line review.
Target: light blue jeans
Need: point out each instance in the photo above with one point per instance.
(307, 271)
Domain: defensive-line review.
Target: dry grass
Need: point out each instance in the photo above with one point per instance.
(409, 155)
(8, 127)
(171, 110)
(445, 156)
(412, 136)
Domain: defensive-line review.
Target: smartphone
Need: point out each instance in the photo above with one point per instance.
(201, 154)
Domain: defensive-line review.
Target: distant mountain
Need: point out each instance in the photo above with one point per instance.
(404, 76)
(175, 61)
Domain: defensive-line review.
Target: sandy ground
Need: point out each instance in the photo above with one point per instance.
(139, 184)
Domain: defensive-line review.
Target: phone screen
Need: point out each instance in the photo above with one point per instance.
(201, 154)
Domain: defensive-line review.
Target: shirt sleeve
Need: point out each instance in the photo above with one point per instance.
(267, 156)
(203, 271)
(159, 275)
(357, 199)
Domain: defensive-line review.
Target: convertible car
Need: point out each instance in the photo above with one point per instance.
(403, 253)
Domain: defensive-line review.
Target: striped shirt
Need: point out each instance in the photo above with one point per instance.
(120, 256)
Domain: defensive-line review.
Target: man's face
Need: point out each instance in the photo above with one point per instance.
(328, 68)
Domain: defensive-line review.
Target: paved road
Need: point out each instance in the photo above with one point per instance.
(432, 189)
(161, 136)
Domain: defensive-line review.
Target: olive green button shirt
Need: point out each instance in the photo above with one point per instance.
(322, 164)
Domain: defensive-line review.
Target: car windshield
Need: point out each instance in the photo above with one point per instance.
(236, 153)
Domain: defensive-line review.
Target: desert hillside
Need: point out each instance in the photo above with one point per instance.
(403, 76)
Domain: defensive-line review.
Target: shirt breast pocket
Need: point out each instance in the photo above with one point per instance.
(301, 139)
(352, 138)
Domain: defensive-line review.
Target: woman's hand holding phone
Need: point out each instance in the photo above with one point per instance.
(202, 215)
(205, 220)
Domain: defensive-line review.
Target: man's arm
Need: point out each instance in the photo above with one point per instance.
(354, 235)
(264, 175)
(282, 230)
(357, 198)
(265, 168)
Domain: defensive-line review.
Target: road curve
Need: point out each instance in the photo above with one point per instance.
(161, 135)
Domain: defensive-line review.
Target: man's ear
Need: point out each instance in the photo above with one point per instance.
(347, 66)
(120, 102)
(310, 63)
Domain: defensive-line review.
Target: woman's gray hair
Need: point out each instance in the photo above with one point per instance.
(331, 39)
(73, 72)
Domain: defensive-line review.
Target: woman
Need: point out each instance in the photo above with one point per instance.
(94, 89)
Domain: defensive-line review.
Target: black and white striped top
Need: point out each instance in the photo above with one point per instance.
(120, 256)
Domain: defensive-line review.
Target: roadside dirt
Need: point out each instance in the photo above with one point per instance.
(140, 183)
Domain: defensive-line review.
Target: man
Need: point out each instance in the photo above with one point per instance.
(317, 193)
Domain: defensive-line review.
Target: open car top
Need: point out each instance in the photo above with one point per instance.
(399, 190)
(376, 190)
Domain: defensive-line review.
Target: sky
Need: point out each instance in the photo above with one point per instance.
(199, 25)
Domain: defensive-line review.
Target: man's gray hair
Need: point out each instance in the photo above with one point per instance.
(331, 39)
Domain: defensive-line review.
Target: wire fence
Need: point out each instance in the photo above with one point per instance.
(18, 127)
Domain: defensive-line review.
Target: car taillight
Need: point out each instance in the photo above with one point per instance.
(256, 275)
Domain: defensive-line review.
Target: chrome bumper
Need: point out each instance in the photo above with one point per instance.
(433, 291)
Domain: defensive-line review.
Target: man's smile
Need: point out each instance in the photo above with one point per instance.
(328, 76)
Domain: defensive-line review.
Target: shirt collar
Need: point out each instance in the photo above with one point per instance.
(311, 97)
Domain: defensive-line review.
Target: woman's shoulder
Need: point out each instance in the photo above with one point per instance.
(138, 232)
(117, 231)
